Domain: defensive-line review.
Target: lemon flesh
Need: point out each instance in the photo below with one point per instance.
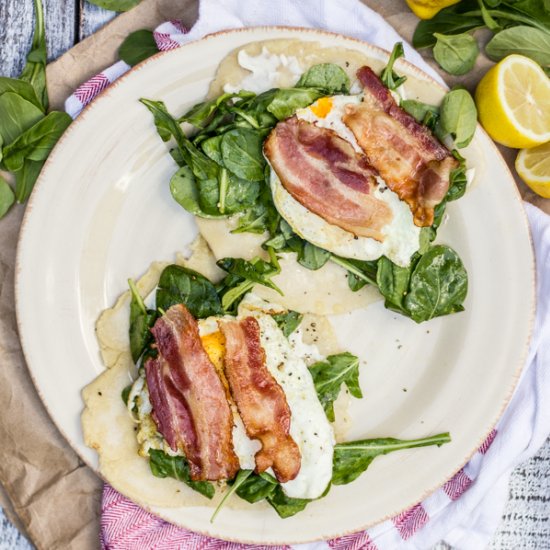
(513, 102)
(533, 166)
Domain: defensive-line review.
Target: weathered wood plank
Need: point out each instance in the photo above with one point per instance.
(16, 26)
(92, 18)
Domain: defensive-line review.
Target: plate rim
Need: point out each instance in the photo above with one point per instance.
(299, 31)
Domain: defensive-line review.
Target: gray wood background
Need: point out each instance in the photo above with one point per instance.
(526, 520)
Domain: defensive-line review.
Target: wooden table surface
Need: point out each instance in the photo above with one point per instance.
(526, 518)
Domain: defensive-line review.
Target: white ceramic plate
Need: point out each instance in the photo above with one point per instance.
(102, 211)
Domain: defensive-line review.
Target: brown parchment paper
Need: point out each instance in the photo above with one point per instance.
(49, 492)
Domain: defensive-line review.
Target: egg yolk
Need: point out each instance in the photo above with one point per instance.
(214, 345)
(322, 107)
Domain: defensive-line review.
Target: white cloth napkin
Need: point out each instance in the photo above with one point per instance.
(467, 510)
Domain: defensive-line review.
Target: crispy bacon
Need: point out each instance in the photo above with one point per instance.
(189, 402)
(414, 164)
(325, 174)
(260, 400)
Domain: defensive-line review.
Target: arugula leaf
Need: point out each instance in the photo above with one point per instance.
(456, 53)
(329, 376)
(237, 482)
(180, 285)
(141, 321)
(459, 116)
(391, 79)
(163, 465)
(257, 487)
(36, 142)
(328, 77)
(115, 5)
(438, 285)
(286, 506)
(241, 151)
(288, 322)
(137, 47)
(34, 71)
(7, 197)
(286, 101)
(523, 40)
(351, 459)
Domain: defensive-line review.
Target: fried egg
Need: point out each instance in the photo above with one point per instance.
(401, 237)
(287, 360)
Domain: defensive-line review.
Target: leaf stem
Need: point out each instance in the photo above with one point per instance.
(352, 269)
(242, 476)
(395, 445)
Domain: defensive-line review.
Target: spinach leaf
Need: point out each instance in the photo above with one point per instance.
(241, 477)
(422, 112)
(201, 114)
(179, 285)
(523, 40)
(351, 459)
(438, 285)
(7, 197)
(184, 190)
(329, 376)
(256, 271)
(116, 5)
(393, 282)
(125, 394)
(286, 506)
(286, 101)
(390, 79)
(257, 487)
(17, 115)
(445, 22)
(141, 321)
(253, 220)
(36, 142)
(456, 53)
(26, 178)
(241, 151)
(137, 47)
(328, 77)
(459, 116)
(288, 322)
(163, 465)
(312, 257)
(211, 147)
(22, 89)
(360, 272)
(34, 72)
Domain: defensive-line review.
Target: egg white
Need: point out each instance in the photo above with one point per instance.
(401, 235)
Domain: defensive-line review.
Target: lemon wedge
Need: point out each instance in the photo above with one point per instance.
(533, 166)
(513, 102)
(426, 9)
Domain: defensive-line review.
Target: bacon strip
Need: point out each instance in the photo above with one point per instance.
(189, 402)
(325, 174)
(414, 164)
(260, 400)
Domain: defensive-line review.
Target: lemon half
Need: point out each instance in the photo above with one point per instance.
(533, 166)
(513, 102)
(426, 9)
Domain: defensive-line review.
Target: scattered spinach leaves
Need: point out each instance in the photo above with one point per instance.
(459, 116)
(141, 321)
(329, 376)
(391, 79)
(7, 196)
(351, 459)
(163, 465)
(456, 53)
(288, 322)
(137, 47)
(327, 77)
